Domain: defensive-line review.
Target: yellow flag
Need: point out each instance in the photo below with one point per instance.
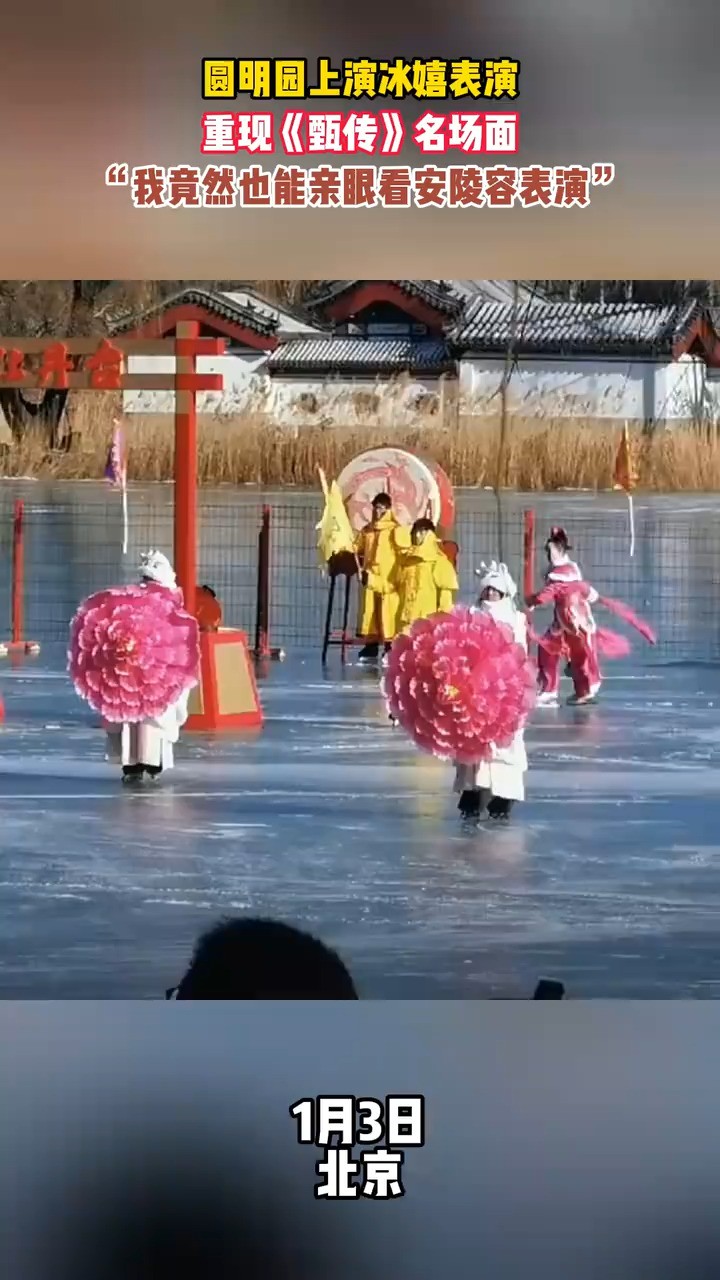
(335, 533)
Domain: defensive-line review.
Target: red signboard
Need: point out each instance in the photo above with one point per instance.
(92, 364)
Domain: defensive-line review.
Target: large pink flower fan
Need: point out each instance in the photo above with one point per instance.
(133, 652)
(459, 684)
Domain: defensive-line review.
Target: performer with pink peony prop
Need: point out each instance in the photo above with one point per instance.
(461, 686)
(134, 657)
(497, 783)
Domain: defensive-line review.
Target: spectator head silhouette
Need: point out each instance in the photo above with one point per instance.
(253, 959)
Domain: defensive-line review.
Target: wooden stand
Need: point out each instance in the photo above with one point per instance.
(343, 565)
(227, 697)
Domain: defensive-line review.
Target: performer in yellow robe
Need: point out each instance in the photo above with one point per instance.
(378, 547)
(427, 580)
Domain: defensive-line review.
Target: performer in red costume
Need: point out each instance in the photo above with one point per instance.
(570, 638)
(573, 636)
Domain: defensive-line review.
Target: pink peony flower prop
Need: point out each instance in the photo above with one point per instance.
(459, 684)
(133, 652)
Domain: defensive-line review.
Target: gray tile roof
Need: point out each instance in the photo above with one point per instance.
(436, 293)
(219, 304)
(498, 291)
(350, 355)
(287, 317)
(574, 328)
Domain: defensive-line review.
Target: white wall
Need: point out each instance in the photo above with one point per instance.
(350, 401)
(612, 389)
(246, 385)
(609, 389)
(292, 401)
(688, 389)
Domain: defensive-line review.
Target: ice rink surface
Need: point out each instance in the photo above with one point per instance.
(608, 877)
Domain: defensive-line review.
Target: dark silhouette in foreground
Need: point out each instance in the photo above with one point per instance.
(252, 959)
(549, 989)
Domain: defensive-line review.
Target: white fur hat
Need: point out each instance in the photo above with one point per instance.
(497, 576)
(155, 567)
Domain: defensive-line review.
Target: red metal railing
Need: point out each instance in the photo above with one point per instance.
(262, 608)
(263, 648)
(264, 564)
(17, 643)
(18, 573)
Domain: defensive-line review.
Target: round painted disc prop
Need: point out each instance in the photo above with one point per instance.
(408, 480)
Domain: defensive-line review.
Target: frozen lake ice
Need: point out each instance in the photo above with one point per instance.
(608, 878)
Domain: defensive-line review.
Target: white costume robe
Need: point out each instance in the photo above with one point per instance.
(503, 776)
(151, 742)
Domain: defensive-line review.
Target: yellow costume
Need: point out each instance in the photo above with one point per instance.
(378, 546)
(428, 582)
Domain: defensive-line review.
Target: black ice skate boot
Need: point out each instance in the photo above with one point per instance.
(133, 774)
(369, 653)
(470, 804)
(499, 809)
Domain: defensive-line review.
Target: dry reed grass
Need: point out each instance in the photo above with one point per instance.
(540, 455)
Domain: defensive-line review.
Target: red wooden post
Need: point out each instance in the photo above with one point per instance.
(16, 646)
(185, 516)
(18, 573)
(529, 553)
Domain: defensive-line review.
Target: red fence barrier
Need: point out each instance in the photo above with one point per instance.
(263, 563)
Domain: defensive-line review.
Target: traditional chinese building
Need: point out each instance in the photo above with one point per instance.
(590, 360)
(383, 351)
(252, 327)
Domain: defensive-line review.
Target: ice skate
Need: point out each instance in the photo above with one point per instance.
(368, 655)
(547, 700)
(133, 775)
(499, 809)
(582, 699)
(470, 805)
(503, 769)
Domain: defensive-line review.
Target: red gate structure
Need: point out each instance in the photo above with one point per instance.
(226, 698)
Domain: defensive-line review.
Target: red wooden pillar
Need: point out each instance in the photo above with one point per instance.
(18, 574)
(185, 526)
(18, 645)
(227, 696)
